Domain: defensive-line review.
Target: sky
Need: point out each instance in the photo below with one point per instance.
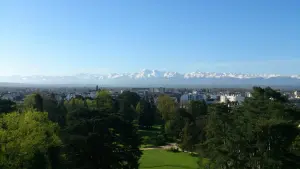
(67, 37)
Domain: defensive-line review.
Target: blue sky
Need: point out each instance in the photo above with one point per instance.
(66, 37)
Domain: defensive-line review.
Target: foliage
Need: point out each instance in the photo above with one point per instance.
(7, 106)
(184, 126)
(98, 139)
(131, 97)
(166, 107)
(174, 150)
(127, 111)
(56, 110)
(28, 141)
(149, 135)
(197, 108)
(91, 104)
(105, 102)
(160, 140)
(74, 103)
(258, 134)
(174, 126)
(34, 101)
(146, 140)
(146, 113)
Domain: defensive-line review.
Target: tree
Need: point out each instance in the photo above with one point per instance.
(56, 110)
(127, 110)
(28, 140)
(74, 103)
(197, 108)
(146, 113)
(174, 127)
(131, 97)
(260, 133)
(7, 106)
(104, 101)
(166, 107)
(186, 126)
(98, 139)
(91, 104)
(34, 101)
(189, 137)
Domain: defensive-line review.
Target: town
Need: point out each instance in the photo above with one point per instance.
(181, 96)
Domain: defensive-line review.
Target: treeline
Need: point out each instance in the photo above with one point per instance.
(81, 133)
(103, 133)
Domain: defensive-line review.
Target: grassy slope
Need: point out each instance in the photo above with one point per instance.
(161, 159)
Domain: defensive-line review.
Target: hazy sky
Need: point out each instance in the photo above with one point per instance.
(65, 37)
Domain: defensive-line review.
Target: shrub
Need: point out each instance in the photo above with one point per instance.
(147, 140)
(173, 149)
(160, 140)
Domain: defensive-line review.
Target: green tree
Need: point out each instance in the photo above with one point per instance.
(34, 101)
(258, 134)
(27, 141)
(7, 106)
(173, 127)
(56, 110)
(105, 102)
(166, 107)
(74, 103)
(127, 110)
(146, 113)
(197, 108)
(131, 97)
(98, 139)
(92, 104)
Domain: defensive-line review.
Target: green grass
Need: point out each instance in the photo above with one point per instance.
(162, 159)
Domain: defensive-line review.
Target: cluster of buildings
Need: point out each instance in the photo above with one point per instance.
(179, 95)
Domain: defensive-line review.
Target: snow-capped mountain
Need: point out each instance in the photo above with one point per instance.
(156, 77)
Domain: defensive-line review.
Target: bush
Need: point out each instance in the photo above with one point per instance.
(160, 140)
(147, 140)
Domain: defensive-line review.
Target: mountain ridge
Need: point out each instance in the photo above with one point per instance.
(151, 77)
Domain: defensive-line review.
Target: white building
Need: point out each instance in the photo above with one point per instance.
(248, 94)
(8, 97)
(297, 94)
(195, 96)
(93, 94)
(231, 98)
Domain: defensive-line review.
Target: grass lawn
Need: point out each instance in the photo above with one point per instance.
(162, 159)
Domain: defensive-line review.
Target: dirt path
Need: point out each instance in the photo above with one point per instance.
(166, 147)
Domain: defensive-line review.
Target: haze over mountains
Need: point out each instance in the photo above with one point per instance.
(148, 77)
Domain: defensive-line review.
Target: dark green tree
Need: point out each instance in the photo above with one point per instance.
(197, 108)
(258, 134)
(127, 110)
(34, 101)
(7, 106)
(101, 140)
(131, 97)
(146, 113)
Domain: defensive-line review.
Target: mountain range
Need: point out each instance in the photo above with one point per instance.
(148, 77)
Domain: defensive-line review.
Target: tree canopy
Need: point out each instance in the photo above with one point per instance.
(27, 141)
(260, 133)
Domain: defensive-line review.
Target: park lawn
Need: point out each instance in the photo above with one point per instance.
(162, 159)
